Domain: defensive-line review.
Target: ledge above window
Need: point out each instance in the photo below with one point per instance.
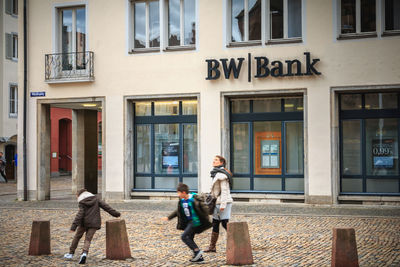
(242, 44)
(349, 36)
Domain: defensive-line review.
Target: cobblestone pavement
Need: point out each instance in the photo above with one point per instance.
(276, 239)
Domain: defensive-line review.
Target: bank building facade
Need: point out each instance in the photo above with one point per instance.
(302, 97)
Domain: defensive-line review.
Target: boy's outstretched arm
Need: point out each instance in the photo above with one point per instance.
(108, 208)
(78, 218)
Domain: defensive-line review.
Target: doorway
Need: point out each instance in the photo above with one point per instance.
(65, 147)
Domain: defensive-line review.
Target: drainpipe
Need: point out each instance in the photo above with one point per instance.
(25, 107)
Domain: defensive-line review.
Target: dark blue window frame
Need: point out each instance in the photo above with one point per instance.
(157, 119)
(252, 117)
(361, 115)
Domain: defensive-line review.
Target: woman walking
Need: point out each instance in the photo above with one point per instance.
(220, 189)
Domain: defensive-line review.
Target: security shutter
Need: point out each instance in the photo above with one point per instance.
(9, 46)
(9, 7)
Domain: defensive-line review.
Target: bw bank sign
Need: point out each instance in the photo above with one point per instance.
(264, 67)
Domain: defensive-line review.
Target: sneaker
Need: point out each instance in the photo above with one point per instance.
(197, 256)
(82, 260)
(68, 256)
(200, 259)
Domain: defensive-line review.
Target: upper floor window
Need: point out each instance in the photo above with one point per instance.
(13, 100)
(163, 24)
(12, 7)
(283, 21)
(12, 46)
(392, 15)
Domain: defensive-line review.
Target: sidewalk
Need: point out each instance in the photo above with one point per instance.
(281, 235)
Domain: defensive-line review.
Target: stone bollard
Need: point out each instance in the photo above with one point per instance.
(344, 248)
(40, 238)
(117, 243)
(238, 247)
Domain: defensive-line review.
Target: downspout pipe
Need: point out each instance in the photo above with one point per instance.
(25, 105)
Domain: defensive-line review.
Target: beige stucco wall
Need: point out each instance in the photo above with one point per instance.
(360, 62)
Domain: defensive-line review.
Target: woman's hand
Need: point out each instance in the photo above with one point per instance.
(164, 218)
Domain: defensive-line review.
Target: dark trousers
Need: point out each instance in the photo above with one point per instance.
(88, 238)
(188, 237)
(3, 174)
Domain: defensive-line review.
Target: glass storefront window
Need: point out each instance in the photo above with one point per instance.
(189, 107)
(241, 183)
(381, 147)
(294, 147)
(166, 148)
(142, 182)
(381, 101)
(267, 105)
(143, 148)
(267, 147)
(350, 101)
(241, 148)
(351, 160)
(240, 106)
(294, 104)
(143, 108)
(162, 108)
(352, 185)
(190, 148)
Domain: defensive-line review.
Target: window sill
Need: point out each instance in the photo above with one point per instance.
(357, 36)
(180, 48)
(144, 50)
(285, 41)
(391, 33)
(13, 115)
(13, 59)
(243, 44)
(70, 80)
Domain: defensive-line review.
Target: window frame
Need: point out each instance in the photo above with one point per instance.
(362, 115)
(385, 32)
(13, 103)
(11, 7)
(265, 26)
(11, 44)
(250, 118)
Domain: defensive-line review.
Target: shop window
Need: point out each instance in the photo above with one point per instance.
(13, 100)
(283, 21)
(369, 145)
(267, 144)
(165, 144)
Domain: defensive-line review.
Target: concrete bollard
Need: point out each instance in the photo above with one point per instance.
(40, 238)
(238, 247)
(344, 248)
(117, 243)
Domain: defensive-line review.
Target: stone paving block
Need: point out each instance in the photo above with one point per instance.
(40, 238)
(117, 243)
(238, 247)
(344, 248)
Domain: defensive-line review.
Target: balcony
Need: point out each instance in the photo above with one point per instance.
(69, 67)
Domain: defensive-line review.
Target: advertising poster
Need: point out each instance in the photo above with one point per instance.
(382, 153)
(170, 155)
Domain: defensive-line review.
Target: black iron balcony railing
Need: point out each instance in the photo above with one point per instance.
(76, 66)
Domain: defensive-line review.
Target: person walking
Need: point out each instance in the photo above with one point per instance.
(87, 220)
(3, 166)
(192, 219)
(220, 189)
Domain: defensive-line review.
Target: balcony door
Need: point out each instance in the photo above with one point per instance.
(73, 39)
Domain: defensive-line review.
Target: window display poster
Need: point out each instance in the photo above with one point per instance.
(270, 154)
(170, 153)
(382, 153)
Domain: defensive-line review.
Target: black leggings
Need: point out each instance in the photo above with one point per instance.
(215, 224)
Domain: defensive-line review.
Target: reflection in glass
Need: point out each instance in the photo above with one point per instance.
(190, 148)
(80, 38)
(276, 19)
(294, 18)
(66, 38)
(166, 108)
(381, 101)
(368, 19)
(350, 102)
(140, 25)
(143, 108)
(293, 104)
(240, 106)
(267, 105)
(381, 146)
(189, 107)
(143, 149)
(294, 147)
(166, 148)
(237, 20)
(392, 15)
(241, 148)
(351, 150)
(254, 19)
(174, 33)
(190, 21)
(348, 13)
(154, 27)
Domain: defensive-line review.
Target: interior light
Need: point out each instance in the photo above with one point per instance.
(89, 105)
(289, 105)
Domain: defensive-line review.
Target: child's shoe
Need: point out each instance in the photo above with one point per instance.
(82, 260)
(198, 256)
(68, 256)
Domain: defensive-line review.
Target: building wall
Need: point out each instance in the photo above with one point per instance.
(344, 63)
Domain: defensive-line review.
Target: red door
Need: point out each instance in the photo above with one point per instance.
(65, 146)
